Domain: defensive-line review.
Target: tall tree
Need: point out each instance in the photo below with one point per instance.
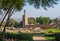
(8, 6)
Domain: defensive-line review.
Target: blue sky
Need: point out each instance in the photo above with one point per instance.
(32, 12)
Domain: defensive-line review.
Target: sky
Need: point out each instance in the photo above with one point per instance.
(32, 12)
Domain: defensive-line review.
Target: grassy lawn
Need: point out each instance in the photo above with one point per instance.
(50, 33)
(50, 38)
(52, 30)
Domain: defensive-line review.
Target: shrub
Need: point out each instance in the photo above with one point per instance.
(19, 36)
(57, 37)
(1, 40)
(22, 40)
(50, 32)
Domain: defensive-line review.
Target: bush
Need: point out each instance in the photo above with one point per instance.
(50, 32)
(57, 37)
(22, 40)
(1, 40)
(50, 35)
(19, 36)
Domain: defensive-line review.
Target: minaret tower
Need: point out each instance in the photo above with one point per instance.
(25, 19)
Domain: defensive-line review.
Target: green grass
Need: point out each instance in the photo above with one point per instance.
(50, 38)
(53, 30)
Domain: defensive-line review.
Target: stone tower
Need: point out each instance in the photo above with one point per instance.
(25, 19)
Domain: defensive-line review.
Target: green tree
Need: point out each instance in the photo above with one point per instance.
(31, 21)
(39, 20)
(11, 5)
(11, 23)
(43, 20)
(21, 23)
(17, 24)
(56, 21)
(8, 6)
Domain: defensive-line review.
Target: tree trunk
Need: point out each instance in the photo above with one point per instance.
(3, 33)
(2, 23)
(10, 8)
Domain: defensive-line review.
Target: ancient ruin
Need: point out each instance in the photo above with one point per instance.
(41, 26)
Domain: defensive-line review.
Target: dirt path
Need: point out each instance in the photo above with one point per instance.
(39, 38)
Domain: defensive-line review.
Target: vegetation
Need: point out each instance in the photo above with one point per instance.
(52, 34)
(31, 21)
(21, 24)
(19, 36)
(11, 23)
(43, 20)
(52, 30)
(9, 6)
(57, 37)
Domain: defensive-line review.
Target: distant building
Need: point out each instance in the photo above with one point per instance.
(42, 26)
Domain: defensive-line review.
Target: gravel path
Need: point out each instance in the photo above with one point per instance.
(39, 38)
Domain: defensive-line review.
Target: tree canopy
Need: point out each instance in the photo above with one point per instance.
(4, 4)
(42, 3)
(43, 20)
